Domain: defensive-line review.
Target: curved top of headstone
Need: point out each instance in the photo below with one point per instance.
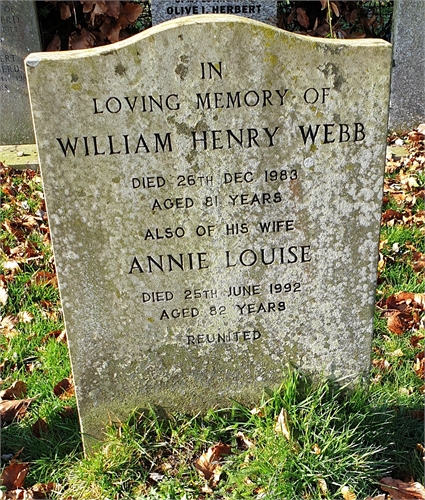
(204, 20)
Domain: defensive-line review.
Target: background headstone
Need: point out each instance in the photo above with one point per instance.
(407, 107)
(260, 10)
(214, 191)
(18, 37)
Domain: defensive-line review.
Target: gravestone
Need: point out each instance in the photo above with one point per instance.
(407, 107)
(18, 37)
(261, 10)
(214, 207)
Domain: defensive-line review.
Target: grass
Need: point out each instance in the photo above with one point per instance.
(329, 438)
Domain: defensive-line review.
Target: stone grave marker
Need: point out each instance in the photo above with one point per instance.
(214, 189)
(407, 107)
(261, 10)
(18, 37)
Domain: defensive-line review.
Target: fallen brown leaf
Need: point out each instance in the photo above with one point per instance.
(129, 14)
(419, 365)
(347, 493)
(67, 412)
(381, 364)
(14, 409)
(303, 18)
(322, 486)
(16, 390)
(282, 424)
(207, 463)
(13, 475)
(398, 323)
(55, 44)
(82, 40)
(243, 442)
(45, 278)
(25, 317)
(41, 491)
(59, 335)
(415, 339)
(400, 490)
(3, 293)
(64, 389)
(39, 427)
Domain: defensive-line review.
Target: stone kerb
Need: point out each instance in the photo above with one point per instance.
(214, 188)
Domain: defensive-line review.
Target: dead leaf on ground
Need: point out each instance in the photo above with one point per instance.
(282, 424)
(322, 486)
(3, 293)
(67, 411)
(208, 462)
(258, 411)
(335, 9)
(418, 262)
(400, 490)
(82, 40)
(303, 18)
(419, 365)
(41, 491)
(129, 14)
(14, 409)
(7, 326)
(25, 317)
(13, 475)
(55, 44)
(381, 364)
(39, 428)
(45, 278)
(243, 442)
(347, 494)
(64, 389)
(12, 266)
(59, 335)
(316, 449)
(403, 311)
(415, 339)
(16, 390)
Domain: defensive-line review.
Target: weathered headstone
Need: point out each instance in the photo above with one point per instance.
(407, 107)
(18, 37)
(260, 10)
(214, 189)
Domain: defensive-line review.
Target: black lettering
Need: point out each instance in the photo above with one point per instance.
(236, 99)
(141, 143)
(309, 133)
(163, 143)
(252, 137)
(271, 135)
(359, 134)
(328, 133)
(135, 265)
(130, 105)
(204, 102)
(68, 145)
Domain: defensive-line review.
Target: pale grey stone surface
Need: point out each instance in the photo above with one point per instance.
(260, 10)
(407, 107)
(156, 214)
(18, 37)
